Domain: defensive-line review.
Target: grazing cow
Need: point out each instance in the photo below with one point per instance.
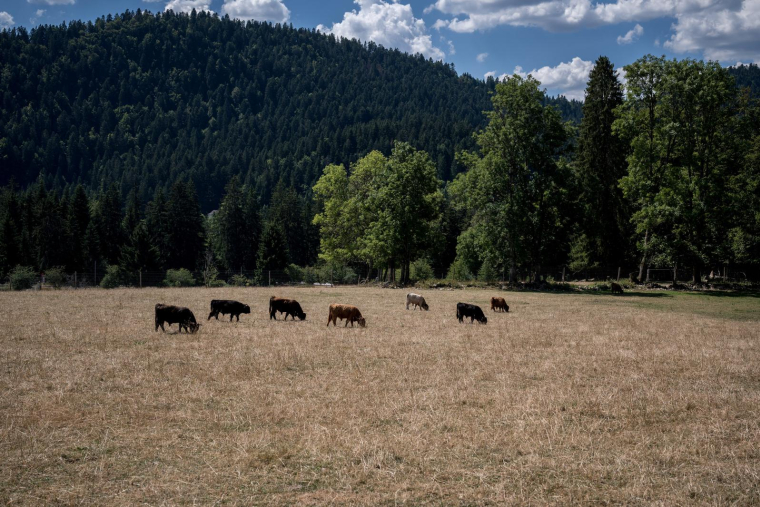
(286, 306)
(348, 312)
(616, 288)
(176, 315)
(472, 311)
(499, 304)
(226, 306)
(417, 301)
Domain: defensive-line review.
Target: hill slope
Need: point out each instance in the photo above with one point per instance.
(143, 99)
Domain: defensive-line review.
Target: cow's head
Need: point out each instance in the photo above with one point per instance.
(246, 309)
(302, 316)
(484, 320)
(194, 326)
(425, 306)
(362, 322)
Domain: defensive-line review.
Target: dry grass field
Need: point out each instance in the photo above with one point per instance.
(568, 399)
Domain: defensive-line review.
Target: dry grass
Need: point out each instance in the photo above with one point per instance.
(567, 399)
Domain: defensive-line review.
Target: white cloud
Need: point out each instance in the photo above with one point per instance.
(188, 5)
(567, 78)
(720, 33)
(719, 29)
(6, 20)
(632, 35)
(388, 23)
(491, 73)
(52, 2)
(482, 57)
(452, 49)
(260, 10)
(37, 15)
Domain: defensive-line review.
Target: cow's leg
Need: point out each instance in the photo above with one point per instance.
(273, 315)
(407, 305)
(231, 317)
(237, 317)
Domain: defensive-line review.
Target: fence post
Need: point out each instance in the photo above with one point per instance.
(95, 274)
(618, 278)
(75, 279)
(647, 274)
(563, 274)
(270, 277)
(140, 272)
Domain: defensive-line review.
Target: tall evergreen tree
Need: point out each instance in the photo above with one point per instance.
(600, 164)
(185, 226)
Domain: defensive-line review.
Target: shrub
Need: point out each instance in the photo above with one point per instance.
(421, 270)
(22, 277)
(55, 277)
(295, 273)
(117, 276)
(458, 271)
(179, 278)
(239, 281)
(487, 272)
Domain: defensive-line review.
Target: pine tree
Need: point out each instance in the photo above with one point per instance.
(600, 165)
(185, 227)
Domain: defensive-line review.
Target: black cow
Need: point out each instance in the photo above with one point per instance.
(176, 315)
(286, 306)
(226, 306)
(472, 311)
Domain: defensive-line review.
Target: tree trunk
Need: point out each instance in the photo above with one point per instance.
(675, 275)
(696, 274)
(643, 257)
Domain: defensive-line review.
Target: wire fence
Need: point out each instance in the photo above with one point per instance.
(331, 276)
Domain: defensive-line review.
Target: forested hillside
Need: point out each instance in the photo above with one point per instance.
(142, 100)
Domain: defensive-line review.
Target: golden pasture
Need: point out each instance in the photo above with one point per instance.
(650, 398)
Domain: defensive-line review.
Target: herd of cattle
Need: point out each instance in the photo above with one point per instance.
(184, 318)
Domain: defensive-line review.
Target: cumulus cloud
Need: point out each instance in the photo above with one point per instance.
(567, 78)
(260, 10)
(388, 23)
(52, 2)
(632, 35)
(720, 29)
(488, 74)
(720, 33)
(37, 15)
(188, 5)
(6, 20)
(482, 57)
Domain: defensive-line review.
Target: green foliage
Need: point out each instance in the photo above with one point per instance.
(55, 276)
(421, 270)
(179, 278)
(239, 281)
(458, 271)
(514, 190)
(22, 278)
(580, 255)
(599, 165)
(384, 214)
(678, 117)
(487, 272)
(117, 276)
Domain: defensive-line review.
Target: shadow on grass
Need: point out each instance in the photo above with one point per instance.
(724, 294)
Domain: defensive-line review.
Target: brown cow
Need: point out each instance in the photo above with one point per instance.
(348, 312)
(499, 304)
(616, 288)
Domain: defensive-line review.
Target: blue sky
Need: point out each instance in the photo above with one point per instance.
(555, 40)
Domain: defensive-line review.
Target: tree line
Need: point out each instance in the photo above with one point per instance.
(293, 148)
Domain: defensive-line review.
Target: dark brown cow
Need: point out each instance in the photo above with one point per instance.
(348, 312)
(286, 306)
(175, 315)
(616, 288)
(499, 304)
